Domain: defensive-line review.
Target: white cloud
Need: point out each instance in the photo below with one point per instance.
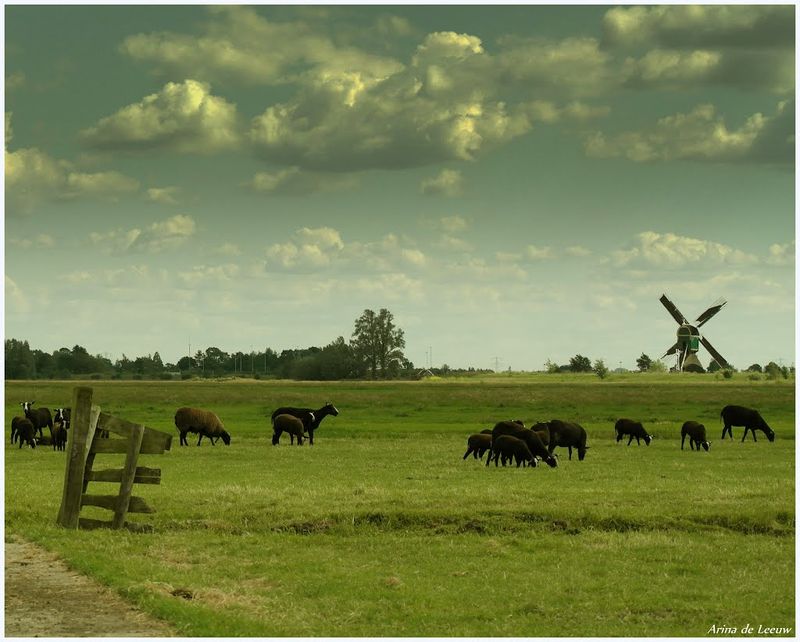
(781, 254)
(240, 46)
(163, 195)
(182, 117)
(32, 175)
(453, 224)
(293, 181)
(577, 250)
(228, 249)
(76, 277)
(448, 182)
(745, 26)
(204, 275)
(538, 253)
(157, 237)
(672, 251)
(41, 241)
(702, 135)
(16, 301)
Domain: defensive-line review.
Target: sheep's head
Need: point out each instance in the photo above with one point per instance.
(582, 452)
(647, 439)
(226, 438)
(552, 461)
(331, 409)
(706, 445)
(770, 434)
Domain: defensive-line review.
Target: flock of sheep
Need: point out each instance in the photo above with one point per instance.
(508, 441)
(511, 442)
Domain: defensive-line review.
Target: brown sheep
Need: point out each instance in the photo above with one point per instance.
(203, 422)
(289, 424)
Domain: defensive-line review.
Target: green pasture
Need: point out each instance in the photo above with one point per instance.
(381, 529)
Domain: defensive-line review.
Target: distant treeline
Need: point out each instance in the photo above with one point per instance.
(336, 361)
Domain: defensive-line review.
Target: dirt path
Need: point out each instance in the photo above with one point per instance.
(45, 598)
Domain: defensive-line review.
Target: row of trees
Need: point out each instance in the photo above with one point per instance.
(644, 363)
(375, 351)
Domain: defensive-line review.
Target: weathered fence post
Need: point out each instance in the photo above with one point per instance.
(84, 422)
(128, 475)
(89, 436)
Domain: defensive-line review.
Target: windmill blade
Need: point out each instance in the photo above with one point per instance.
(717, 356)
(712, 310)
(672, 350)
(670, 306)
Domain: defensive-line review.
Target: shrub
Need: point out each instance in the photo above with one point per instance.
(95, 376)
(727, 373)
(600, 369)
(185, 376)
(754, 376)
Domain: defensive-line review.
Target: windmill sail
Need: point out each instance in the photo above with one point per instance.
(717, 356)
(670, 306)
(712, 310)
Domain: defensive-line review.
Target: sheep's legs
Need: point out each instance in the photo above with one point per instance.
(630, 439)
(469, 450)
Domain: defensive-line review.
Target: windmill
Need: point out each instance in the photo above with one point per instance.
(689, 337)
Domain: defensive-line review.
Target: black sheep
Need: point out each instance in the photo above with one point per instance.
(532, 440)
(39, 417)
(311, 418)
(507, 448)
(567, 435)
(747, 417)
(697, 435)
(15, 425)
(633, 429)
(543, 431)
(289, 424)
(478, 444)
(60, 435)
(26, 433)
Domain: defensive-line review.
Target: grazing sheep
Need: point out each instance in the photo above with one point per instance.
(543, 431)
(39, 417)
(508, 448)
(59, 436)
(478, 444)
(697, 435)
(567, 435)
(203, 422)
(26, 433)
(311, 418)
(632, 429)
(747, 417)
(290, 424)
(530, 438)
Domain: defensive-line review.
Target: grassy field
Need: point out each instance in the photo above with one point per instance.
(382, 529)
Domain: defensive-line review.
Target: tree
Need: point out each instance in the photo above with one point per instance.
(658, 366)
(20, 363)
(579, 363)
(600, 369)
(551, 366)
(378, 343)
(643, 363)
(713, 366)
(754, 368)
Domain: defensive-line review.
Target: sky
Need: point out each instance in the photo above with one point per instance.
(516, 183)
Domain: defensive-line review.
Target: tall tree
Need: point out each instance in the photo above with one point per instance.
(579, 363)
(644, 362)
(378, 343)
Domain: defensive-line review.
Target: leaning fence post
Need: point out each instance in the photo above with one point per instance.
(83, 424)
(128, 474)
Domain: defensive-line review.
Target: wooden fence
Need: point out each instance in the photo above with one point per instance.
(88, 423)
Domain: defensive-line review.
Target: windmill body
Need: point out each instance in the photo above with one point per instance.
(689, 338)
